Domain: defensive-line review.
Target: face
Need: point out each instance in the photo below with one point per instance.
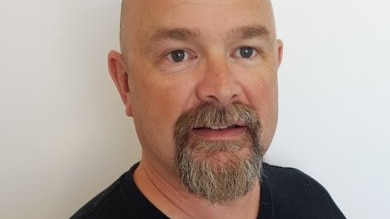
(180, 55)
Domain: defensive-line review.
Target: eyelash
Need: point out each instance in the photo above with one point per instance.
(188, 55)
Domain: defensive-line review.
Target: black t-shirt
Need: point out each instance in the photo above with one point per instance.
(285, 193)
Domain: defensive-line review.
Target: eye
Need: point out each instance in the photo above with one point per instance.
(178, 56)
(245, 52)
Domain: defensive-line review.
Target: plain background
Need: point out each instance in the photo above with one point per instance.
(64, 136)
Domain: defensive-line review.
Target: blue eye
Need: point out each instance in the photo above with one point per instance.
(177, 56)
(246, 52)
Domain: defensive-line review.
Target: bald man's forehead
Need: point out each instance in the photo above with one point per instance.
(139, 15)
(193, 1)
(130, 7)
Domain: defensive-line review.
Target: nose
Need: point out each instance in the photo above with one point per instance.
(217, 83)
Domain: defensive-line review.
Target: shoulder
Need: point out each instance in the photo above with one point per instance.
(122, 199)
(99, 206)
(286, 176)
(295, 193)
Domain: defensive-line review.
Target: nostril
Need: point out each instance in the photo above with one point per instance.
(217, 84)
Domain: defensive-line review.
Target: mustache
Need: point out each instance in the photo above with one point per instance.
(210, 115)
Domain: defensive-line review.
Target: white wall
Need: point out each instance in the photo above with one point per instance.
(335, 99)
(64, 136)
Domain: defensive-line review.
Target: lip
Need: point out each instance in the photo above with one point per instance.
(220, 133)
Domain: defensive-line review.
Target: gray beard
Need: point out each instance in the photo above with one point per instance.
(200, 167)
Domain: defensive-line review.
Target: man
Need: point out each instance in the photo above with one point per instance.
(199, 78)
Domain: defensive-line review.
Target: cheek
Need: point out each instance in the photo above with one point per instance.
(263, 96)
(167, 102)
(154, 117)
(157, 106)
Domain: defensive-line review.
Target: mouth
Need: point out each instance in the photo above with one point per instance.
(218, 127)
(219, 132)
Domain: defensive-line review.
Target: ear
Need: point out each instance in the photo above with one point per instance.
(119, 75)
(280, 51)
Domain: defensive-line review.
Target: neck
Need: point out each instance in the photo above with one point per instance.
(171, 198)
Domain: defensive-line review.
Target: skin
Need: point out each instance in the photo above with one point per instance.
(156, 90)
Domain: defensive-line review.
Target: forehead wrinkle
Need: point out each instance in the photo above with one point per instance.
(184, 34)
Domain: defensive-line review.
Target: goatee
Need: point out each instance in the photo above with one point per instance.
(219, 171)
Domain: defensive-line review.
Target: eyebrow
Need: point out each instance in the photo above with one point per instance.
(250, 32)
(180, 34)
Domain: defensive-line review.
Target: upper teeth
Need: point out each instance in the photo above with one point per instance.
(218, 127)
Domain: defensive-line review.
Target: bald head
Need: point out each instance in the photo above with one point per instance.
(136, 13)
(123, 23)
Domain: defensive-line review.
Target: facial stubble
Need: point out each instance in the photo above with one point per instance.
(218, 171)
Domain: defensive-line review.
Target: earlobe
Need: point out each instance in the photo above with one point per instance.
(280, 52)
(119, 75)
